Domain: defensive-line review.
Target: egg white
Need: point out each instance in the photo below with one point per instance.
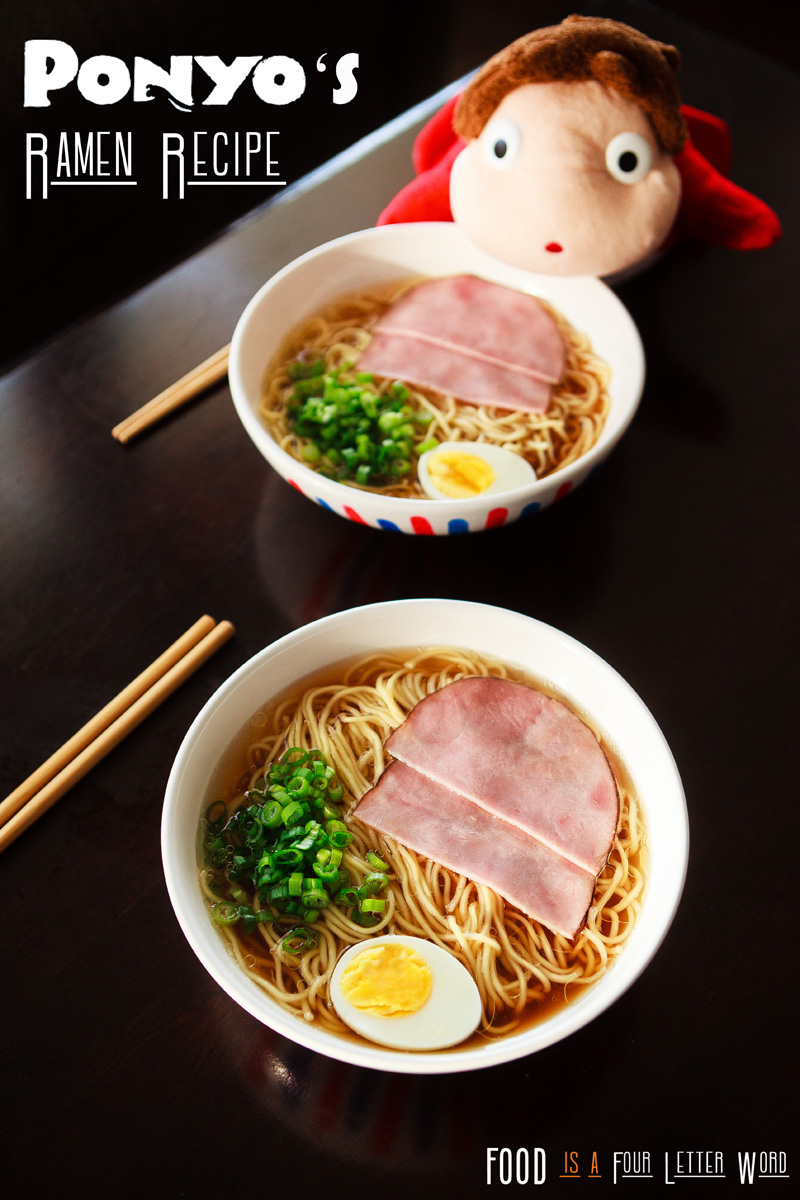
(450, 1014)
(511, 470)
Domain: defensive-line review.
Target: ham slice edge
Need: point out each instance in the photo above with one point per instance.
(446, 828)
(478, 341)
(522, 756)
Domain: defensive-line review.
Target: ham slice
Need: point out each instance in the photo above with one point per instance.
(475, 340)
(520, 755)
(445, 827)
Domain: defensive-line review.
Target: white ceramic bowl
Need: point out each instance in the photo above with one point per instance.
(578, 674)
(427, 248)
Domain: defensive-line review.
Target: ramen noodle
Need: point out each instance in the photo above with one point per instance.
(521, 968)
(548, 441)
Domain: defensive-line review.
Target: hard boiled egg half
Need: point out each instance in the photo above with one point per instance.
(405, 993)
(463, 470)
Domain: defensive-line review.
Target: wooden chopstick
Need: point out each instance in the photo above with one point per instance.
(94, 740)
(177, 394)
(115, 708)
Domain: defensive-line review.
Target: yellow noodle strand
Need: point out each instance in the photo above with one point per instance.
(515, 961)
(571, 425)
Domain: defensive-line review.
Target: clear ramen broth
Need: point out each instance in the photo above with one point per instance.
(523, 971)
(341, 331)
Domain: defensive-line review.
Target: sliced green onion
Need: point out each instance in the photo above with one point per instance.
(278, 851)
(327, 873)
(225, 913)
(307, 843)
(287, 837)
(216, 814)
(299, 940)
(272, 816)
(292, 812)
(254, 835)
(366, 919)
(288, 857)
(376, 862)
(374, 882)
(249, 919)
(373, 906)
(341, 422)
(296, 757)
(305, 370)
(313, 884)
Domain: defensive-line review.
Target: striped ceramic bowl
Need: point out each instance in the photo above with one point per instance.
(376, 256)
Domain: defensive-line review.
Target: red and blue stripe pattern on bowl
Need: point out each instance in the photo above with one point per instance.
(421, 525)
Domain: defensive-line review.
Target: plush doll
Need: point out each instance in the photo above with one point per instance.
(570, 153)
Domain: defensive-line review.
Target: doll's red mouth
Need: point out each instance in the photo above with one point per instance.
(553, 248)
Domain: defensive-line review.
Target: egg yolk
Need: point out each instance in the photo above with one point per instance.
(460, 475)
(387, 981)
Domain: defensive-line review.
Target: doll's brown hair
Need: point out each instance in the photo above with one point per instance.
(578, 49)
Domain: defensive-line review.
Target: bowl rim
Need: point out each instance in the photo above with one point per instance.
(531, 1039)
(398, 506)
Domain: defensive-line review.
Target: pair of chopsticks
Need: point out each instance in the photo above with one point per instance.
(173, 397)
(104, 731)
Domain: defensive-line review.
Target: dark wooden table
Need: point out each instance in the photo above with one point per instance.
(125, 1070)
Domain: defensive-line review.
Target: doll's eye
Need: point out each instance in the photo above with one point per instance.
(629, 157)
(501, 141)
